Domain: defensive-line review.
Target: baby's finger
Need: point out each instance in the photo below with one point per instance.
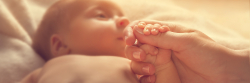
(141, 25)
(147, 29)
(147, 79)
(155, 29)
(134, 53)
(149, 49)
(142, 68)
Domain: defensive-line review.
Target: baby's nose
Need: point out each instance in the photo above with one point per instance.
(122, 22)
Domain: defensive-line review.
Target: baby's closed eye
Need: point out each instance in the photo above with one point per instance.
(101, 15)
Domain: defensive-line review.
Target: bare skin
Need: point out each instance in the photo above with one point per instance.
(77, 69)
(95, 32)
(197, 57)
(102, 25)
(165, 70)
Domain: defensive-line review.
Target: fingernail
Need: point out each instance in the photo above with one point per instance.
(149, 79)
(136, 55)
(145, 69)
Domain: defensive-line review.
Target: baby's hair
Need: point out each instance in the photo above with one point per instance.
(56, 18)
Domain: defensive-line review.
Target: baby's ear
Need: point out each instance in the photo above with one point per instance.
(57, 46)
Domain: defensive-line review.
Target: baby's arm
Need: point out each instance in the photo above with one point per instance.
(32, 77)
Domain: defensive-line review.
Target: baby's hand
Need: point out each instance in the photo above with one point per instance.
(165, 70)
(152, 28)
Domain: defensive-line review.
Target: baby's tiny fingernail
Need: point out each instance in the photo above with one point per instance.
(145, 69)
(136, 55)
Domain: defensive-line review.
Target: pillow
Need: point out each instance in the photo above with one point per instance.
(17, 58)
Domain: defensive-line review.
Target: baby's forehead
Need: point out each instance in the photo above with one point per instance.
(82, 5)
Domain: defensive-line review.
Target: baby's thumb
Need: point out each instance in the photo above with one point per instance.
(167, 40)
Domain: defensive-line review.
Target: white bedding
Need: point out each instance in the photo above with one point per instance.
(19, 19)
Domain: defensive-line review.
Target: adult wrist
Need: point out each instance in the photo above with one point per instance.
(240, 69)
(248, 54)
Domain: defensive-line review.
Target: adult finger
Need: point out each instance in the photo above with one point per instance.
(151, 22)
(134, 53)
(177, 28)
(140, 53)
(173, 26)
(128, 33)
(147, 79)
(168, 40)
(142, 68)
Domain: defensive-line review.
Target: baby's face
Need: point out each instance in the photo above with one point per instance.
(97, 29)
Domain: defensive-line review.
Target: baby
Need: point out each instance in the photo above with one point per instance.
(85, 33)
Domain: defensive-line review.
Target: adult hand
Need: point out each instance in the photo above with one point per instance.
(197, 57)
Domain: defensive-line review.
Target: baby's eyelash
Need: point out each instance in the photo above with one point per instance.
(102, 16)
